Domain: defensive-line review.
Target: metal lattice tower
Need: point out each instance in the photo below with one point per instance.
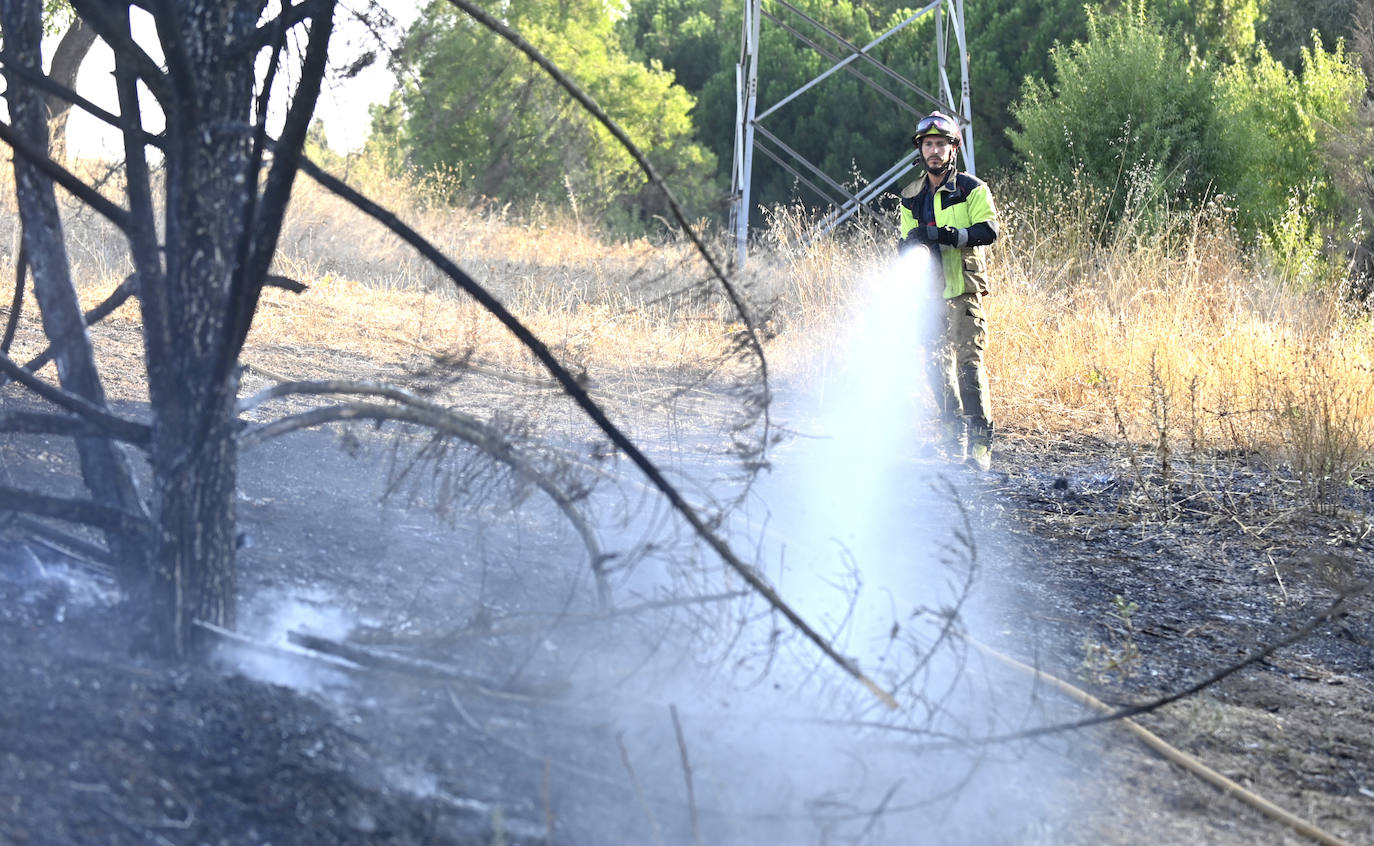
(749, 128)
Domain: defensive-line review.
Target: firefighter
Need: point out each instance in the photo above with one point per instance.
(951, 214)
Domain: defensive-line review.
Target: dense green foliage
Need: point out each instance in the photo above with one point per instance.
(842, 126)
(1147, 103)
(1288, 25)
(472, 105)
(1210, 30)
(1268, 131)
(1009, 41)
(1127, 115)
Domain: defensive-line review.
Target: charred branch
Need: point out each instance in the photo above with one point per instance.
(40, 423)
(117, 298)
(290, 17)
(64, 93)
(91, 556)
(285, 283)
(265, 213)
(110, 22)
(21, 275)
(409, 666)
(112, 425)
(39, 159)
(142, 231)
(593, 410)
(87, 512)
(103, 467)
(411, 409)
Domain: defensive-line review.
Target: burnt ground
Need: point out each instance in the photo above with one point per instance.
(1226, 556)
(491, 708)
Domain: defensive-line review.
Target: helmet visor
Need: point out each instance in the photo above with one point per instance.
(935, 125)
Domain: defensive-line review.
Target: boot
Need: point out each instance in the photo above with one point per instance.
(954, 439)
(980, 447)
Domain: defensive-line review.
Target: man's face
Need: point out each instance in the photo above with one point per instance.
(936, 152)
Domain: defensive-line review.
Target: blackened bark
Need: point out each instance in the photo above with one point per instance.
(197, 289)
(103, 466)
(209, 179)
(67, 57)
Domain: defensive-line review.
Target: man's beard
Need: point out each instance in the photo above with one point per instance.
(939, 169)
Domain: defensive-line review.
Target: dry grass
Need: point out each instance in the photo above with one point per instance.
(1180, 341)
(1183, 337)
(1172, 336)
(627, 306)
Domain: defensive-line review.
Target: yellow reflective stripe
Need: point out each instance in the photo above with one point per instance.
(906, 221)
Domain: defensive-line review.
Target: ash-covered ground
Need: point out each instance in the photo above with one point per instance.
(499, 700)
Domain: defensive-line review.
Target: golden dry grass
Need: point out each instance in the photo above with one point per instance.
(1171, 336)
(624, 305)
(1181, 335)
(596, 303)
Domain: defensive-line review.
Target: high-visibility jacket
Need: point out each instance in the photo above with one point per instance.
(965, 203)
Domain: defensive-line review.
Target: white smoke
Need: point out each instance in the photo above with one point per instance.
(267, 653)
(862, 530)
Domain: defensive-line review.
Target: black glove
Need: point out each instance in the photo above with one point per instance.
(930, 235)
(912, 240)
(947, 235)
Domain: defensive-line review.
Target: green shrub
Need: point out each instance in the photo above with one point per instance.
(469, 102)
(1268, 129)
(1131, 116)
(1125, 113)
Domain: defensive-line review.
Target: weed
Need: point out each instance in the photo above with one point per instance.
(1119, 653)
(498, 828)
(1328, 425)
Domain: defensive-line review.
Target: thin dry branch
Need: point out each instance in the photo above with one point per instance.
(417, 667)
(639, 790)
(1335, 610)
(85, 511)
(686, 774)
(413, 409)
(590, 105)
(1183, 759)
(505, 626)
(112, 425)
(574, 389)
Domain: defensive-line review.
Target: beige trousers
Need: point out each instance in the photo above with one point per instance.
(955, 367)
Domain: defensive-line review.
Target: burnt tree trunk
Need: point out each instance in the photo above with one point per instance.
(67, 57)
(103, 467)
(198, 285)
(210, 184)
